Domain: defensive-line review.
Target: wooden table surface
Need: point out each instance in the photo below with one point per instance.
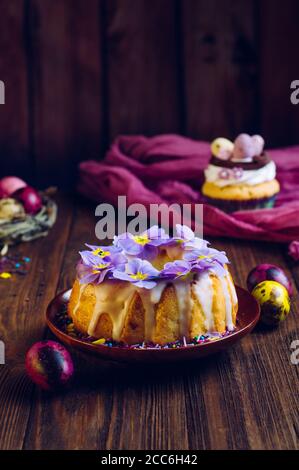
(244, 398)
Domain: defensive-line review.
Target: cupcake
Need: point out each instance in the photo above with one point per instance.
(240, 175)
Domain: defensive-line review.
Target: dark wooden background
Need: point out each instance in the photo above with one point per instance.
(243, 398)
(79, 72)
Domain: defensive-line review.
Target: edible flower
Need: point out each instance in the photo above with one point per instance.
(138, 271)
(103, 251)
(176, 269)
(207, 258)
(184, 233)
(143, 245)
(94, 268)
(186, 236)
(129, 258)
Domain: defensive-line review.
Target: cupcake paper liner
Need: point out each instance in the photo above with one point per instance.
(233, 206)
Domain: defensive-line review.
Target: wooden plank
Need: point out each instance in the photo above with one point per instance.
(279, 36)
(220, 63)
(22, 322)
(259, 379)
(53, 422)
(143, 79)
(67, 79)
(14, 119)
(110, 405)
(239, 399)
(249, 388)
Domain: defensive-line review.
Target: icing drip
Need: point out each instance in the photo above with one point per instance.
(203, 289)
(228, 303)
(149, 300)
(81, 289)
(232, 290)
(183, 294)
(114, 300)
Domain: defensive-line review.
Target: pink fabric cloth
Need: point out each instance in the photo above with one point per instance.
(169, 168)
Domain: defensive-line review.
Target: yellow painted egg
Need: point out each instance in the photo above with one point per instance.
(222, 148)
(274, 300)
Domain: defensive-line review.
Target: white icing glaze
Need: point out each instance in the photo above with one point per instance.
(251, 177)
(232, 290)
(82, 287)
(113, 299)
(228, 303)
(150, 298)
(203, 290)
(182, 289)
(156, 292)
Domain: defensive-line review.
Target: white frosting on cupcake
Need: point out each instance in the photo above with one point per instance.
(222, 177)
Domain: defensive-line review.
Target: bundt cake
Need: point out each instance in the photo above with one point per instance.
(153, 288)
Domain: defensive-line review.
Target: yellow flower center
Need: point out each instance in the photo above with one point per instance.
(101, 253)
(99, 267)
(204, 256)
(141, 239)
(139, 276)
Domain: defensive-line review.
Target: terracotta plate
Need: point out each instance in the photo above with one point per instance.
(248, 315)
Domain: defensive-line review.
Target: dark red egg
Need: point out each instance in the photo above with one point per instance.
(268, 272)
(49, 365)
(30, 199)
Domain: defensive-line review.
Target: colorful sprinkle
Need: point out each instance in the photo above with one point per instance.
(99, 341)
(5, 275)
(13, 264)
(65, 324)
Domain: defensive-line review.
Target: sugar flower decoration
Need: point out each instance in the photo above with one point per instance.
(176, 269)
(94, 268)
(294, 250)
(223, 174)
(143, 245)
(140, 272)
(237, 173)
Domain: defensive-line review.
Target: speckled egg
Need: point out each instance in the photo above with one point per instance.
(222, 148)
(268, 272)
(274, 300)
(49, 365)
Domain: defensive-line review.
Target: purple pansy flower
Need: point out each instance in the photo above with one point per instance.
(138, 271)
(187, 237)
(184, 233)
(207, 258)
(94, 269)
(176, 269)
(143, 245)
(103, 251)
